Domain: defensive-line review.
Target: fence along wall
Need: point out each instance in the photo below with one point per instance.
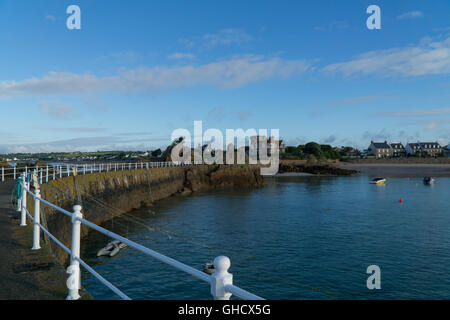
(221, 282)
(124, 191)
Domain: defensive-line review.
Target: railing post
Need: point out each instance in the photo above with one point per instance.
(15, 172)
(40, 179)
(37, 219)
(73, 282)
(54, 172)
(23, 204)
(221, 278)
(60, 171)
(3, 174)
(46, 175)
(68, 171)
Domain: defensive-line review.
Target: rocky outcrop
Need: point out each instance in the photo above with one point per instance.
(109, 194)
(315, 169)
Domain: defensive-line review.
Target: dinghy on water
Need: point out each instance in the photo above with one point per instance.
(111, 248)
(209, 268)
(428, 180)
(378, 181)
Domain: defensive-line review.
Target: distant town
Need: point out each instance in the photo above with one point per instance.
(309, 151)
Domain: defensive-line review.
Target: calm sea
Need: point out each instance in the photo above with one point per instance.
(297, 238)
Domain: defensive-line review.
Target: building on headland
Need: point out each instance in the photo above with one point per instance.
(424, 149)
(446, 151)
(380, 149)
(413, 149)
(281, 145)
(431, 149)
(263, 144)
(398, 150)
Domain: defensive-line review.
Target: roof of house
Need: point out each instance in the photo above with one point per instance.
(414, 145)
(381, 145)
(426, 145)
(397, 146)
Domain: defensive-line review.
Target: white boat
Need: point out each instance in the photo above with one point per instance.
(111, 248)
(209, 268)
(378, 181)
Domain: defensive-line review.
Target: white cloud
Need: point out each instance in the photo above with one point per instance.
(93, 143)
(56, 110)
(411, 15)
(120, 57)
(432, 124)
(180, 56)
(50, 17)
(226, 37)
(427, 58)
(232, 73)
(415, 113)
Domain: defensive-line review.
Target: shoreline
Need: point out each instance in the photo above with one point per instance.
(399, 169)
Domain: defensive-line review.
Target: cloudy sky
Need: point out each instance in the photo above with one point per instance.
(138, 70)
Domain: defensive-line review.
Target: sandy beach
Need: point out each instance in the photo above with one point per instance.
(399, 170)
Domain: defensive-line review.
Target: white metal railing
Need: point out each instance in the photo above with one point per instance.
(52, 172)
(221, 282)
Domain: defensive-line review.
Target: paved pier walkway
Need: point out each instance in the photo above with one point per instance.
(25, 274)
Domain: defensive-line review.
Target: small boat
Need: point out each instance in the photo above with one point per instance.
(115, 250)
(378, 181)
(111, 248)
(428, 180)
(209, 268)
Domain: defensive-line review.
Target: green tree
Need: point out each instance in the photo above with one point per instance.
(156, 153)
(314, 149)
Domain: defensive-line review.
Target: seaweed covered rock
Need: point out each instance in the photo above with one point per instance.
(315, 169)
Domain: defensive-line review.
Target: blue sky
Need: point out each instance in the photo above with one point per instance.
(138, 70)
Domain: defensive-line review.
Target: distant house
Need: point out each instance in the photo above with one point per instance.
(261, 142)
(380, 149)
(431, 149)
(281, 145)
(349, 152)
(413, 149)
(398, 150)
(446, 151)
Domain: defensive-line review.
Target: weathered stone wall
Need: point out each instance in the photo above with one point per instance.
(124, 191)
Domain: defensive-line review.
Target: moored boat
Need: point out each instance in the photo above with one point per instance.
(209, 268)
(111, 249)
(378, 181)
(428, 180)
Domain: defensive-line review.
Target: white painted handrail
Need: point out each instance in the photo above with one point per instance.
(52, 172)
(221, 282)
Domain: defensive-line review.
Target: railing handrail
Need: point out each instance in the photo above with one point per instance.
(85, 168)
(220, 281)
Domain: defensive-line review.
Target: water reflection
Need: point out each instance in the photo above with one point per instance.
(296, 238)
